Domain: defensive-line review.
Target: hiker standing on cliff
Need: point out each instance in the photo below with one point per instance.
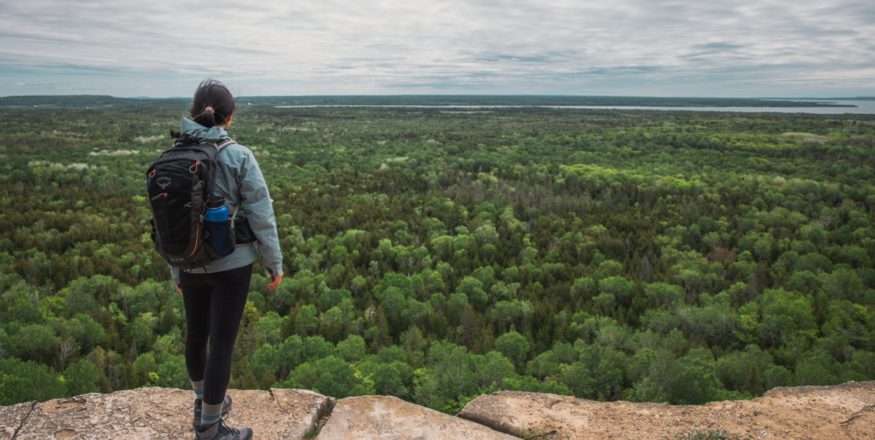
(215, 294)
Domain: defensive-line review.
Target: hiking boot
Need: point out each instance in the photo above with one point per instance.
(218, 431)
(198, 403)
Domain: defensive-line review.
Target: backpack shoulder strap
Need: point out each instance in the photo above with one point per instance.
(221, 146)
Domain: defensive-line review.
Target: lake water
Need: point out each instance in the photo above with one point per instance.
(862, 107)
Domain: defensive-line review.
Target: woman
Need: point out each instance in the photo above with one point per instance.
(214, 296)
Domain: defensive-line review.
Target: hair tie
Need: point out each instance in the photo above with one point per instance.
(209, 110)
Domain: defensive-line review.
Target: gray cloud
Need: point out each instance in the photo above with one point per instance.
(638, 47)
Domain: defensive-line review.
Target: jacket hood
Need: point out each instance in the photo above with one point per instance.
(200, 132)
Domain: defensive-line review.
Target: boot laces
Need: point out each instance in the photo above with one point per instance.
(225, 429)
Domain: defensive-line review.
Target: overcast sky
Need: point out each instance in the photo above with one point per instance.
(570, 47)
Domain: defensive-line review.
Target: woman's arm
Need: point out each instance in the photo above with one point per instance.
(256, 204)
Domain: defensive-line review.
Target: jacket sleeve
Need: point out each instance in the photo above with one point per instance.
(258, 209)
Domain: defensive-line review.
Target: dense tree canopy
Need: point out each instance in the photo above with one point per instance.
(437, 254)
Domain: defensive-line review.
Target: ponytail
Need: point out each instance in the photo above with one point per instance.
(213, 103)
(207, 117)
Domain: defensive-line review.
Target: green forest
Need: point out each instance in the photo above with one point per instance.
(438, 254)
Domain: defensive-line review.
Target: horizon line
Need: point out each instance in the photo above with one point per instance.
(447, 95)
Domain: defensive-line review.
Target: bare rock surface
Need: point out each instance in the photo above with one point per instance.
(835, 412)
(386, 417)
(12, 417)
(160, 413)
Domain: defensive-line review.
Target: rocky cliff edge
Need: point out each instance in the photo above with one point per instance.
(843, 411)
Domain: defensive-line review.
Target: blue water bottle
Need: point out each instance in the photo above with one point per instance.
(218, 226)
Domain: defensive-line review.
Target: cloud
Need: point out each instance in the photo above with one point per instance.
(663, 47)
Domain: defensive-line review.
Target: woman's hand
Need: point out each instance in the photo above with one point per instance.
(275, 281)
(179, 289)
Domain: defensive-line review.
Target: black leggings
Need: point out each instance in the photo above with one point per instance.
(213, 309)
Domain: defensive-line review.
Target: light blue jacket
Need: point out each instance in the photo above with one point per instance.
(239, 180)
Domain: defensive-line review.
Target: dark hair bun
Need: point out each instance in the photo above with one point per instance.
(206, 118)
(212, 104)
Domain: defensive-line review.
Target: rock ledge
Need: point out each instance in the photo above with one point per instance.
(842, 411)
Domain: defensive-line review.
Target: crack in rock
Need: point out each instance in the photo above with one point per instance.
(553, 402)
(322, 415)
(279, 403)
(24, 419)
(857, 414)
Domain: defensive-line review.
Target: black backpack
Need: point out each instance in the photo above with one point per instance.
(180, 184)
